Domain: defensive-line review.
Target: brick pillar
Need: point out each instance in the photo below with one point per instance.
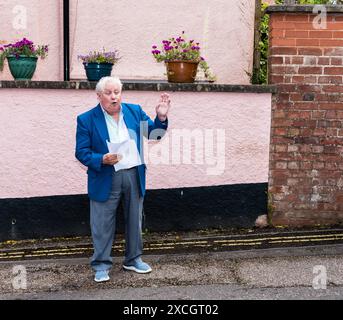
(306, 164)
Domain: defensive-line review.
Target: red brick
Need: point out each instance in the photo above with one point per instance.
(276, 60)
(297, 17)
(302, 79)
(320, 34)
(279, 114)
(310, 60)
(300, 123)
(287, 88)
(333, 70)
(330, 150)
(333, 52)
(309, 51)
(319, 132)
(330, 43)
(337, 34)
(297, 60)
(283, 70)
(331, 114)
(296, 96)
(307, 42)
(280, 164)
(334, 26)
(279, 131)
(293, 165)
(309, 88)
(281, 148)
(281, 123)
(296, 34)
(328, 97)
(277, 24)
(336, 61)
(323, 61)
(301, 26)
(333, 88)
(278, 33)
(330, 79)
(318, 165)
(310, 70)
(281, 42)
(305, 105)
(318, 114)
(283, 51)
(330, 106)
(276, 79)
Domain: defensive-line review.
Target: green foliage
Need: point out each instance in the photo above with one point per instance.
(313, 2)
(260, 77)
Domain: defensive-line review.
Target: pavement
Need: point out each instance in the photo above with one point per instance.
(312, 272)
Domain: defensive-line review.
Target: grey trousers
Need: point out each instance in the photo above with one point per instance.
(103, 220)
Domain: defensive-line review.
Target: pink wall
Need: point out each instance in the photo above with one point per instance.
(40, 22)
(38, 135)
(224, 29)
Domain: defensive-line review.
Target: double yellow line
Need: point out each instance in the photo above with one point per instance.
(214, 243)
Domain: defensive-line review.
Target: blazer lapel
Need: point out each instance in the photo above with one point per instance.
(132, 125)
(129, 119)
(100, 124)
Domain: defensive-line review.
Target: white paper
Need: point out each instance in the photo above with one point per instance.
(128, 150)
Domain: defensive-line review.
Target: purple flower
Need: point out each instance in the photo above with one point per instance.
(179, 48)
(100, 57)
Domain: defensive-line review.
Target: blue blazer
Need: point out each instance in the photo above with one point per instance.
(91, 136)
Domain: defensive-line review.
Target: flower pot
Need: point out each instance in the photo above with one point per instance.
(182, 71)
(23, 67)
(95, 71)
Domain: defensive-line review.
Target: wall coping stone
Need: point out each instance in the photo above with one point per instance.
(141, 85)
(303, 8)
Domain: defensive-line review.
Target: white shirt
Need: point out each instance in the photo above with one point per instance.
(117, 131)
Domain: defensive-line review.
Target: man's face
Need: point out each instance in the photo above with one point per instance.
(110, 98)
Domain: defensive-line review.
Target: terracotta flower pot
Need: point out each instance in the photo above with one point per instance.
(182, 71)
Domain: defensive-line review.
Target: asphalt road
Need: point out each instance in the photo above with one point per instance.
(312, 272)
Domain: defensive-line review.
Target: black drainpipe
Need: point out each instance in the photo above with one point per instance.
(66, 61)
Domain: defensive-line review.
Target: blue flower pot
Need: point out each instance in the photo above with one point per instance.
(23, 67)
(95, 71)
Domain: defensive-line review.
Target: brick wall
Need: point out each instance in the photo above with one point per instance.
(306, 165)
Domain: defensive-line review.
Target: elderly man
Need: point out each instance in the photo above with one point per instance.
(115, 121)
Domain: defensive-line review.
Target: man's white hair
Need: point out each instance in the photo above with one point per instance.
(100, 86)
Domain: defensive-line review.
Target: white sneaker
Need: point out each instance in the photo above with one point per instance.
(138, 266)
(101, 276)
